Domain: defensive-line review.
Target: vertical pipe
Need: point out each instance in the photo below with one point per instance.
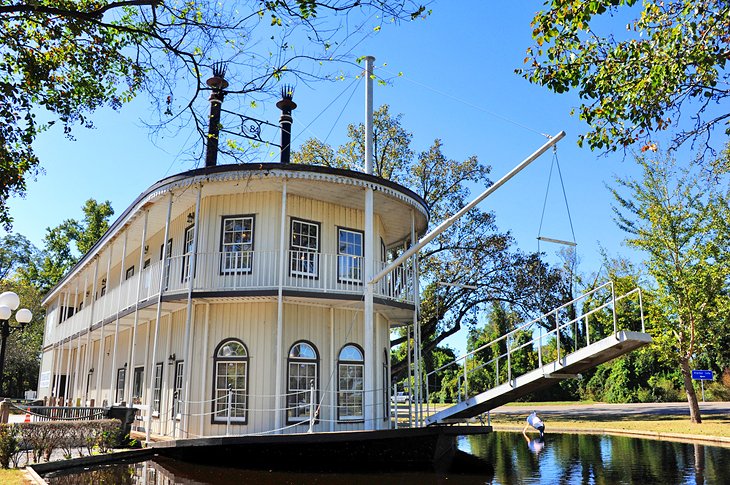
(134, 329)
(100, 364)
(116, 323)
(368, 307)
(369, 115)
(188, 321)
(150, 394)
(278, 391)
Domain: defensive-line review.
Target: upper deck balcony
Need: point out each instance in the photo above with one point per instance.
(241, 274)
(263, 229)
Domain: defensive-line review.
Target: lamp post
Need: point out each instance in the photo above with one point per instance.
(9, 302)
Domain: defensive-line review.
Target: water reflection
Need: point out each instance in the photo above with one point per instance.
(560, 459)
(577, 459)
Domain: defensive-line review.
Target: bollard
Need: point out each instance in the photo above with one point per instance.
(4, 410)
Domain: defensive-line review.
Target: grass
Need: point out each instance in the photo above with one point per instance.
(712, 425)
(12, 477)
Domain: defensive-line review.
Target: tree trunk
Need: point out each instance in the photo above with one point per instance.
(694, 407)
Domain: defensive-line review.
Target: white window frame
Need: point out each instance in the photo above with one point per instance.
(351, 373)
(301, 371)
(121, 376)
(242, 259)
(304, 257)
(177, 387)
(157, 389)
(239, 404)
(348, 259)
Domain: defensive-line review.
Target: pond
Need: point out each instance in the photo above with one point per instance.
(561, 459)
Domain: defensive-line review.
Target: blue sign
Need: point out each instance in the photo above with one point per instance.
(702, 375)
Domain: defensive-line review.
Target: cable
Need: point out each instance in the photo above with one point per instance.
(467, 103)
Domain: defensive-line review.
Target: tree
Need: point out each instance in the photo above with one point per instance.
(472, 252)
(671, 60)
(66, 243)
(65, 59)
(676, 218)
(22, 358)
(15, 252)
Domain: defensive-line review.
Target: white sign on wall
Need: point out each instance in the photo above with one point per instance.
(45, 381)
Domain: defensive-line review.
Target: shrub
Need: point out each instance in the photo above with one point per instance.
(9, 444)
(41, 438)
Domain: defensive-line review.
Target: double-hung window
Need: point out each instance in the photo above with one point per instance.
(350, 384)
(121, 379)
(179, 367)
(188, 243)
(137, 385)
(303, 363)
(230, 381)
(237, 244)
(349, 255)
(304, 248)
(157, 389)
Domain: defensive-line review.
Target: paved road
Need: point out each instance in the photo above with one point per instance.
(601, 409)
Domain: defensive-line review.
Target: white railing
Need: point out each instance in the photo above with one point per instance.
(243, 271)
(553, 328)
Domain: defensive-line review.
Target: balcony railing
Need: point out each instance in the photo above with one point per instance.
(241, 271)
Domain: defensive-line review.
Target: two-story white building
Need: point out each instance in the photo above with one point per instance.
(240, 289)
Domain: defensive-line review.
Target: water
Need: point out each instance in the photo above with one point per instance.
(561, 459)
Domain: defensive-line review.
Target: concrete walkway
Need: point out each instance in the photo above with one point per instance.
(603, 409)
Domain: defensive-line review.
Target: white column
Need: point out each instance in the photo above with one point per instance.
(278, 354)
(416, 327)
(204, 370)
(188, 321)
(77, 380)
(88, 356)
(368, 317)
(133, 343)
(100, 365)
(333, 358)
(150, 394)
(66, 396)
(112, 395)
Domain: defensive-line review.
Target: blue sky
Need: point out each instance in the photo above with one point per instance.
(458, 85)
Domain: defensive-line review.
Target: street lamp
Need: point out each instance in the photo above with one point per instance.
(9, 302)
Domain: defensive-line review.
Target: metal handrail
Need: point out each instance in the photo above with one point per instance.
(462, 380)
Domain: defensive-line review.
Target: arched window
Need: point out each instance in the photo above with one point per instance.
(350, 383)
(302, 373)
(230, 371)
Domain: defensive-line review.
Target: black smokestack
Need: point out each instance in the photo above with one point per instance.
(286, 105)
(217, 84)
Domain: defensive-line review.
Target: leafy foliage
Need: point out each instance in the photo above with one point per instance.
(61, 60)
(672, 59)
(678, 220)
(66, 243)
